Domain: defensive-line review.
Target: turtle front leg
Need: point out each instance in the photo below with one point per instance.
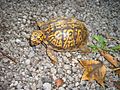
(84, 49)
(51, 54)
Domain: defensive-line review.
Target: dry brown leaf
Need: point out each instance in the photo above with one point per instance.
(59, 82)
(94, 70)
(110, 58)
(117, 70)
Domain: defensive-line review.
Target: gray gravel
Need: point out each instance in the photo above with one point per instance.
(33, 70)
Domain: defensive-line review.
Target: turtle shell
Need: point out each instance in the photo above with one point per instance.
(65, 34)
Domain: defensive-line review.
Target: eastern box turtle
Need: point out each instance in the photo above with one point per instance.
(61, 34)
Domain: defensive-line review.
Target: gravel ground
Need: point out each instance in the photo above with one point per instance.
(34, 70)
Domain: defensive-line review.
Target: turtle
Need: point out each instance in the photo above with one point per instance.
(61, 35)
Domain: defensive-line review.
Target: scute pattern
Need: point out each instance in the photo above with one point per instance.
(66, 34)
(55, 39)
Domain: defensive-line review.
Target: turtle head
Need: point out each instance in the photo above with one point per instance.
(37, 37)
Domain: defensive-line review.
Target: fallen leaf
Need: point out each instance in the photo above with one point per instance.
(110, 58)
(94, 70)
(117, 70)
(59, 82)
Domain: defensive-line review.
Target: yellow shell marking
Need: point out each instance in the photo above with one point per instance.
(56, 39)
(78, 38)
(68, 38)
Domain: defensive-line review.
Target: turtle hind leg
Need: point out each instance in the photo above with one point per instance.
(39, 24)
(51, 54)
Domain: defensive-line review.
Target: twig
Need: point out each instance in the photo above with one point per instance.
(11, 58)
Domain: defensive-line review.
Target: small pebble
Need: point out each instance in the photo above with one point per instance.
(31, 54)
(74, 69)
(17, 40)
(23, 43)
(79, 56)
(83, 82)
(15, 83)
(70, 78)
(24, 20)
(47, 86)
(77, 83)
(66, 59)
(64, 79)
(24, 17)
(33, 86)
(67, 66)
(39, 84)
(61, 88)
(5, 60)
(53, 70)
(27, 61)
(68, 54)
(19, 86)
(68, 71)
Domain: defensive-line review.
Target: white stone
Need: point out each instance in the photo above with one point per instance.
(23, 43)
(68, 71)
(74, 69)
(23, 73)
(24, 20)
(25, 17)
(27, 61)
(77, 83)
(70, 78)
(31, 54)
(53, 70)
(82, 82)
(6, 60)
(79, 56)
(74, 60)
(64, 79)
(19, 86)
(17, 40)
(67, 67)
(54, 77)
(61, 88)
(33, 86)
(39, 84)
(15, 83)
(47, 86)
(68, 54)
(28, 21)
(65, 59)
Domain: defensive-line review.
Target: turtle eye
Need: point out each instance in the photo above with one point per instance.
(35, 37)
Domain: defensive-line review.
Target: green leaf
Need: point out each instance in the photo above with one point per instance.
(116, 48)
(96, 37)
(101, 41)
(101, 44)
(94, 48)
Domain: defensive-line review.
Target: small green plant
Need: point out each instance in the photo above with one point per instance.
(101, 44)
